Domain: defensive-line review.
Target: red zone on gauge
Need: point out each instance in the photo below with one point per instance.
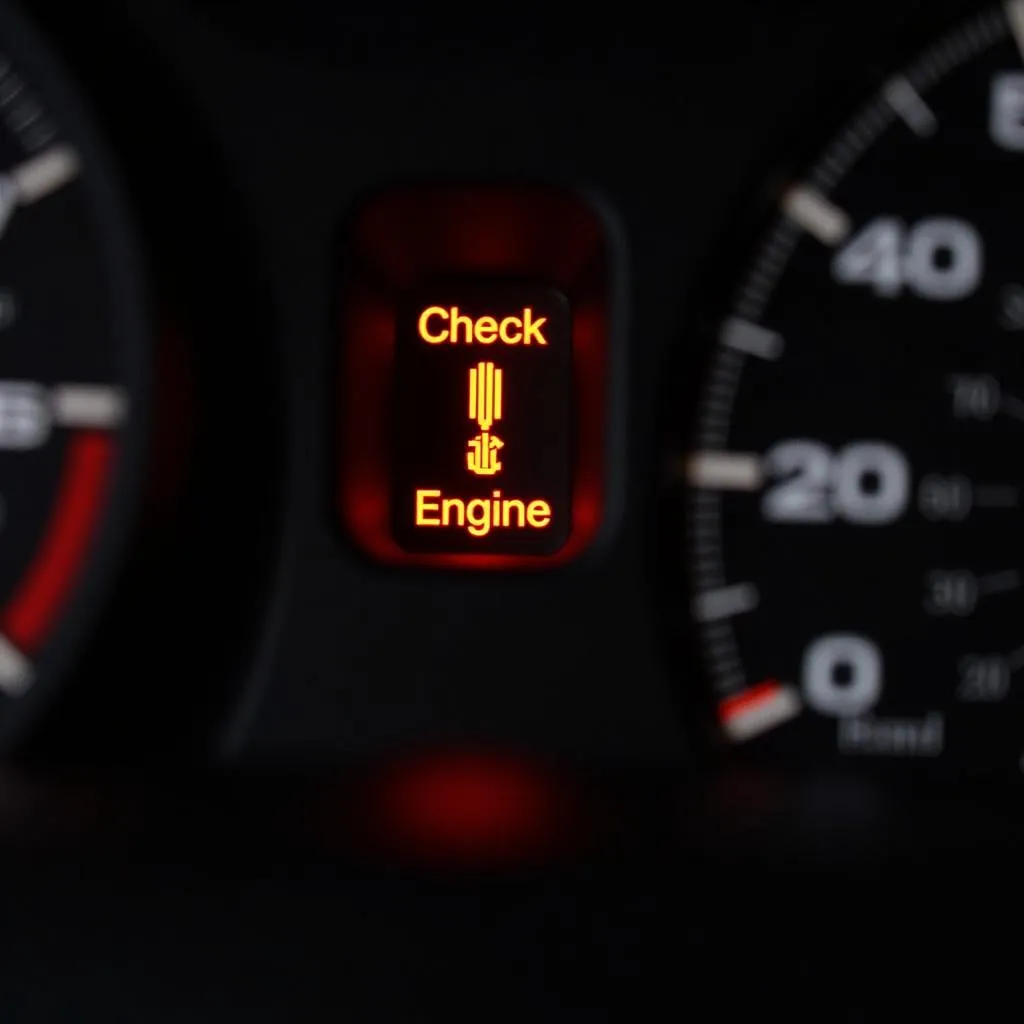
(91, 413)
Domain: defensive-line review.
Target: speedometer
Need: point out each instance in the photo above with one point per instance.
(856, 479)
(72, 352)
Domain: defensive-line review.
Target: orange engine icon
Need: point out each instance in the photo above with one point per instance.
(485, 386)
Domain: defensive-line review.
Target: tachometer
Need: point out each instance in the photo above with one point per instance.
(856, 485)
(71, 371)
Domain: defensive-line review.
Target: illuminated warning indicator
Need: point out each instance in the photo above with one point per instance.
(517, 404)
(482, 458)
(480, 360)
(484, 409)
(485, 395)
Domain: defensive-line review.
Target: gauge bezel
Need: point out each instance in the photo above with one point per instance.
(128, 297)
(844, 95)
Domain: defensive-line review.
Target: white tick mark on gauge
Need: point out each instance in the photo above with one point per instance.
(725, 471)
(16, 672)
(1015, 18)
(817, 215)
(45, 174)
(89, 406)
(744, 336)
(11, 87)
(758, 710)
(999, 582)
(725, 602)
(37, 178)
(907, 102)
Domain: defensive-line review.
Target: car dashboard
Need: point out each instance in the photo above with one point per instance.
(511, 501)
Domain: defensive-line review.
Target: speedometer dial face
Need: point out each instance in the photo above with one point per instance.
(71, 354)
(856, 485)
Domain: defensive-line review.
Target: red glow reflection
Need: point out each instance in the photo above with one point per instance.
(469, 806)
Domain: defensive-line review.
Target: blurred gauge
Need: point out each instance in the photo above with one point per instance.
(71, 369)
(856, 485)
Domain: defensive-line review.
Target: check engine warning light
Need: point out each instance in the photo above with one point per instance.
(483, 455)
(481, 376)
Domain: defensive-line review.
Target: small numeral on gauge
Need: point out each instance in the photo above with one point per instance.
(25, 420)
(945, 498)
(983, 679)
(950, 593)
(1006, 111)
(975, 398)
